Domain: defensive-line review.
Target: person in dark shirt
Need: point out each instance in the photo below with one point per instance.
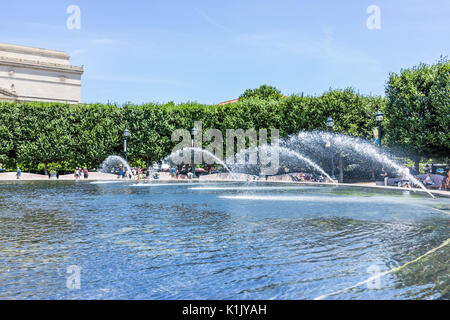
(385, 176)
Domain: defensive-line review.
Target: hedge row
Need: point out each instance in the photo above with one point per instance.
(66, 136)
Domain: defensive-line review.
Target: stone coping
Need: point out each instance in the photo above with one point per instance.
(18, 62)
(35, 51)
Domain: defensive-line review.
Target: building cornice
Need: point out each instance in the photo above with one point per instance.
(35, 51)
(15, 62)
(31, 98)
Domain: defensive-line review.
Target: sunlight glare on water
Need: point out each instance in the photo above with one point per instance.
(218, 241)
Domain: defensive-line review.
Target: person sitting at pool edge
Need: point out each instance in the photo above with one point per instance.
(446, 182)
(428, 181)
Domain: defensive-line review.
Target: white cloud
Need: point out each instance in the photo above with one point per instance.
(289, 43)
(211, 21)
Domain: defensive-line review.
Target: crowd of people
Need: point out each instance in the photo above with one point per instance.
(137, 173)
(81, 173)
(309, 177)
(426, 180)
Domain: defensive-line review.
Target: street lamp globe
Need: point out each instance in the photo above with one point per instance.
(126, 133)
(379, 116)
(330, 123)
(194, 132)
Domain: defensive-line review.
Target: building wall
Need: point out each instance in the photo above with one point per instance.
(41, 85)
(39, 75)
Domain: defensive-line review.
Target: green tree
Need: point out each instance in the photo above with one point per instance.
(97, 134)
(418, 111)
(44, 135)
(263, 92)
(37, 134)
(8, 136)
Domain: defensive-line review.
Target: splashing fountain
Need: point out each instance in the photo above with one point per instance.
(314, 143)
(190, 150)
(245, 240)
(114, 162)
(308, 148)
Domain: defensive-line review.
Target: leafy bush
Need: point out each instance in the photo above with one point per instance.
(84, 135)
(418, 110)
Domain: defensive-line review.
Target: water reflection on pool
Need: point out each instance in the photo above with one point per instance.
(219, 241)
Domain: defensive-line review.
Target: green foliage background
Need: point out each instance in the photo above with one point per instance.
(263, 92)
(69, 136)
(418, 110)
(60, 136)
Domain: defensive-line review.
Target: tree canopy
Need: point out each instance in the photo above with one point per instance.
(67, 136)
(418, 110)
(263, 92)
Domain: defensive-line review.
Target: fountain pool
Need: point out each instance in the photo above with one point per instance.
(221, 241)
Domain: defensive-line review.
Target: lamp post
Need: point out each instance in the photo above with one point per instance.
(379, 117)
(193, 133)
(330, 125)
(126, 135)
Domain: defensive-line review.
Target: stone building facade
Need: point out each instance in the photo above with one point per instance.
(33, 74)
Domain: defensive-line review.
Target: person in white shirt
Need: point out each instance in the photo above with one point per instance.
(404, 182)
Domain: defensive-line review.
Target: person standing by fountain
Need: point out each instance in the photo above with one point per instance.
(19, 173)
(404, 181)
(385, 176)
(139, 173)
(86, 173)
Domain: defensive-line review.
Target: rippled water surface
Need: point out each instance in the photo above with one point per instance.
(220, 241)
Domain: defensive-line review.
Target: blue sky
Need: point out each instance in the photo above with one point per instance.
(211, 51)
